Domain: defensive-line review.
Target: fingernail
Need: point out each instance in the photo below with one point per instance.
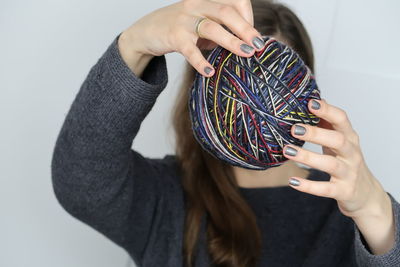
(290, 151)
(299, 130)
(207, 70)
(294, 182)
(246, 48)
(315, 104)
(257, 42)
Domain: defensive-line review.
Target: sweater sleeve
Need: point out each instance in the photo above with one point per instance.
(364, 256)
(96, 176)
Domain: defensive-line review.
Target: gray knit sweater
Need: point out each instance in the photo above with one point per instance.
(138, 202)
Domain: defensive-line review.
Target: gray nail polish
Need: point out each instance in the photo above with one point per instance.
(207, 70)
(294, 182)
(257, 42)
(290, 151)
(315, 104)
(246, 48)
(299, 130)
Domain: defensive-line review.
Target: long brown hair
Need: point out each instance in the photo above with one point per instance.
(233, 236)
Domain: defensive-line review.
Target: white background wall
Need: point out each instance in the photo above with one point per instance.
(46, 51)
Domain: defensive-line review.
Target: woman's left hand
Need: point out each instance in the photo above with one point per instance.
(358, 193)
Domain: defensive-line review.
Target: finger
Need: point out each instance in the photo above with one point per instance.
(230, 17)
(215, 32)
(326, 163)
(318, 188)
(337, 117)
(193, 55)
(246, 10)
(325, 137)
(243, 7)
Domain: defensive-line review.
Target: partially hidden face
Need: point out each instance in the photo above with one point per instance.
(243, 113)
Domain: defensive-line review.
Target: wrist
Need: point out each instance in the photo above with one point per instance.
(134, 58)
(378, 206)
(377, 226)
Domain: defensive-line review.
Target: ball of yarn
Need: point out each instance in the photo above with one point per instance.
(243, 113)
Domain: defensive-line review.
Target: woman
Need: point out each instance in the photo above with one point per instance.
(191, 209)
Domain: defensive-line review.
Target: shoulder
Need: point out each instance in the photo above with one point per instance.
(169, 171)
(167, 165)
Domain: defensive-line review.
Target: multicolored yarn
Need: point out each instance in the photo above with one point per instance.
(244, 112)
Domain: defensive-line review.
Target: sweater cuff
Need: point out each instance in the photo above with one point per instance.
(392, 257)
(145, 88)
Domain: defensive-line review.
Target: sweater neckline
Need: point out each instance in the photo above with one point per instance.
(280, 196)
(280, 188)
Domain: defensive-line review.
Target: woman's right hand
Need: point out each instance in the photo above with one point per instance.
(172, 29)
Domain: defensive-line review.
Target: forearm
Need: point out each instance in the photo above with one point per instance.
(92, 151)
